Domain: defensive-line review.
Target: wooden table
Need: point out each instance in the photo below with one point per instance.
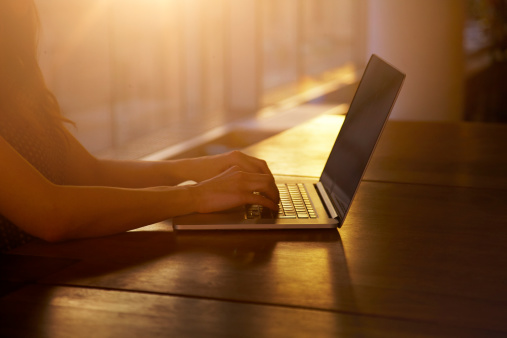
(419, 255)
(437, 153)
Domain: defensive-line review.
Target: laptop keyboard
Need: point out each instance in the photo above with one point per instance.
(294, 203)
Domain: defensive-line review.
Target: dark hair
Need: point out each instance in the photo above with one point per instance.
(23, 90)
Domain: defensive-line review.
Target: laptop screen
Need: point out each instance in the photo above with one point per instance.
(368, 112)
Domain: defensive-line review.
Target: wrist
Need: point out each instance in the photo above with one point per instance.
(193, 194)
(183, 170)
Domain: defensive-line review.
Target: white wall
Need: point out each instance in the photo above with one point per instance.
(424, 39)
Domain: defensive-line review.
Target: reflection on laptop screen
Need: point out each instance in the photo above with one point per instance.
(358, 136)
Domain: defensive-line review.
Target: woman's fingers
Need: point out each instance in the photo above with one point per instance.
(248, 163)
(264, 185)
(204, 168)
(233, 188)
(262, 200)
(260, 165)
(253, 184)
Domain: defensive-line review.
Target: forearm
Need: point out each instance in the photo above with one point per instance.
(146, 174)
(90, 205)
(78, 212)
(84, 169)
(138, 174)
(88, 171)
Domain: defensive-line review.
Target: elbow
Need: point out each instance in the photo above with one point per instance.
(51, 238)
(53, 230)
(54, 223)
(47, 231)
(51, 214)
(52, 235)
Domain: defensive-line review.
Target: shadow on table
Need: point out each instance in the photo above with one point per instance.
(17, 271)
(302, 268)
(137, 250)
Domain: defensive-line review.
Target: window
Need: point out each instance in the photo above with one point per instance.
(137, 76)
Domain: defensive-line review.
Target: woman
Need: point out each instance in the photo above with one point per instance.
(52, 188)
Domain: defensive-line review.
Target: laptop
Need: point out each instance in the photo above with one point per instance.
(306, 204)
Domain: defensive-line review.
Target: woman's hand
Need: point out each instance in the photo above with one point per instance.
(235, 187)
(203, 168)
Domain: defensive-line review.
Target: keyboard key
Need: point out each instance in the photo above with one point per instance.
(294, 203)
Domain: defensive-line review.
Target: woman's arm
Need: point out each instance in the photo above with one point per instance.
(56, 213)
(85, 169)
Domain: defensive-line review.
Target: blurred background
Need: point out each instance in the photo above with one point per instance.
(144, 76)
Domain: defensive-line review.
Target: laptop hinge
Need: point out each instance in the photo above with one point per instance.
(327, 201)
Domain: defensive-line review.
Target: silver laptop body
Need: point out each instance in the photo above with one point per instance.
(330, 198)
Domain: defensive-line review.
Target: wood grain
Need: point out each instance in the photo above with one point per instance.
(442, 153)
(19, 270)
(302, 150)
(406, 251)
(423, 248)
(439, 153)
(77, 312)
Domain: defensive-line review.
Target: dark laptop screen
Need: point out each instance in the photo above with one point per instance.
(368, 112)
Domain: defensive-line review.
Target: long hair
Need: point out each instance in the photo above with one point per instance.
(23, 90)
